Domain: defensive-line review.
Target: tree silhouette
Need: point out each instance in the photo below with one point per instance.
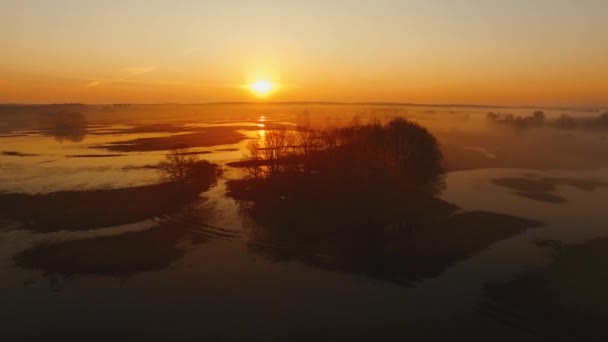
(400, 153)
(183, 165)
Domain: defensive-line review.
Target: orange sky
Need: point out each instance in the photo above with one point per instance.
(536, 52)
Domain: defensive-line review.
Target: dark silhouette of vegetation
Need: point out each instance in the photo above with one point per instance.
(568, 122)
(362, 199)
(400, 153)
(70, 126)
(182, 165)
(537, 119)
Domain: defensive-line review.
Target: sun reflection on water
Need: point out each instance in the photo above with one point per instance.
(262, 131)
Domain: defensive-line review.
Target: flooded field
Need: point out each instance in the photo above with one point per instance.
(511, 242)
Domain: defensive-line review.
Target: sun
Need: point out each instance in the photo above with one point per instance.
(262, 87)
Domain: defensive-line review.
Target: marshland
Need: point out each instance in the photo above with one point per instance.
(336, 170)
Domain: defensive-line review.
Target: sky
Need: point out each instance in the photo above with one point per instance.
(516, 52)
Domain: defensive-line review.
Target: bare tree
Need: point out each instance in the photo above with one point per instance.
(253, 147)
(178, 164)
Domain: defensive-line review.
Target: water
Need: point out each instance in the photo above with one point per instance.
(201, 273)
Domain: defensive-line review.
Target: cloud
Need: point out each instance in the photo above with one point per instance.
(93, 84)
(126, 73)
(137, 70)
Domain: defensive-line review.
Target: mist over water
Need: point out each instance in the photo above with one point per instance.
(321, 246)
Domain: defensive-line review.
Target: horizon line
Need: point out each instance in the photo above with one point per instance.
(377, 103)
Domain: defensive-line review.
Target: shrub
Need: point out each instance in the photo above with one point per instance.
(182, 165)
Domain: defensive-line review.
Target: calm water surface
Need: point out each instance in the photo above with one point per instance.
(214, 282)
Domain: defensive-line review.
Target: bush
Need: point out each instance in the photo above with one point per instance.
(182, 165)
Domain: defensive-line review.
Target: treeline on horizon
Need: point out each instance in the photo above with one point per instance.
(538, 119)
